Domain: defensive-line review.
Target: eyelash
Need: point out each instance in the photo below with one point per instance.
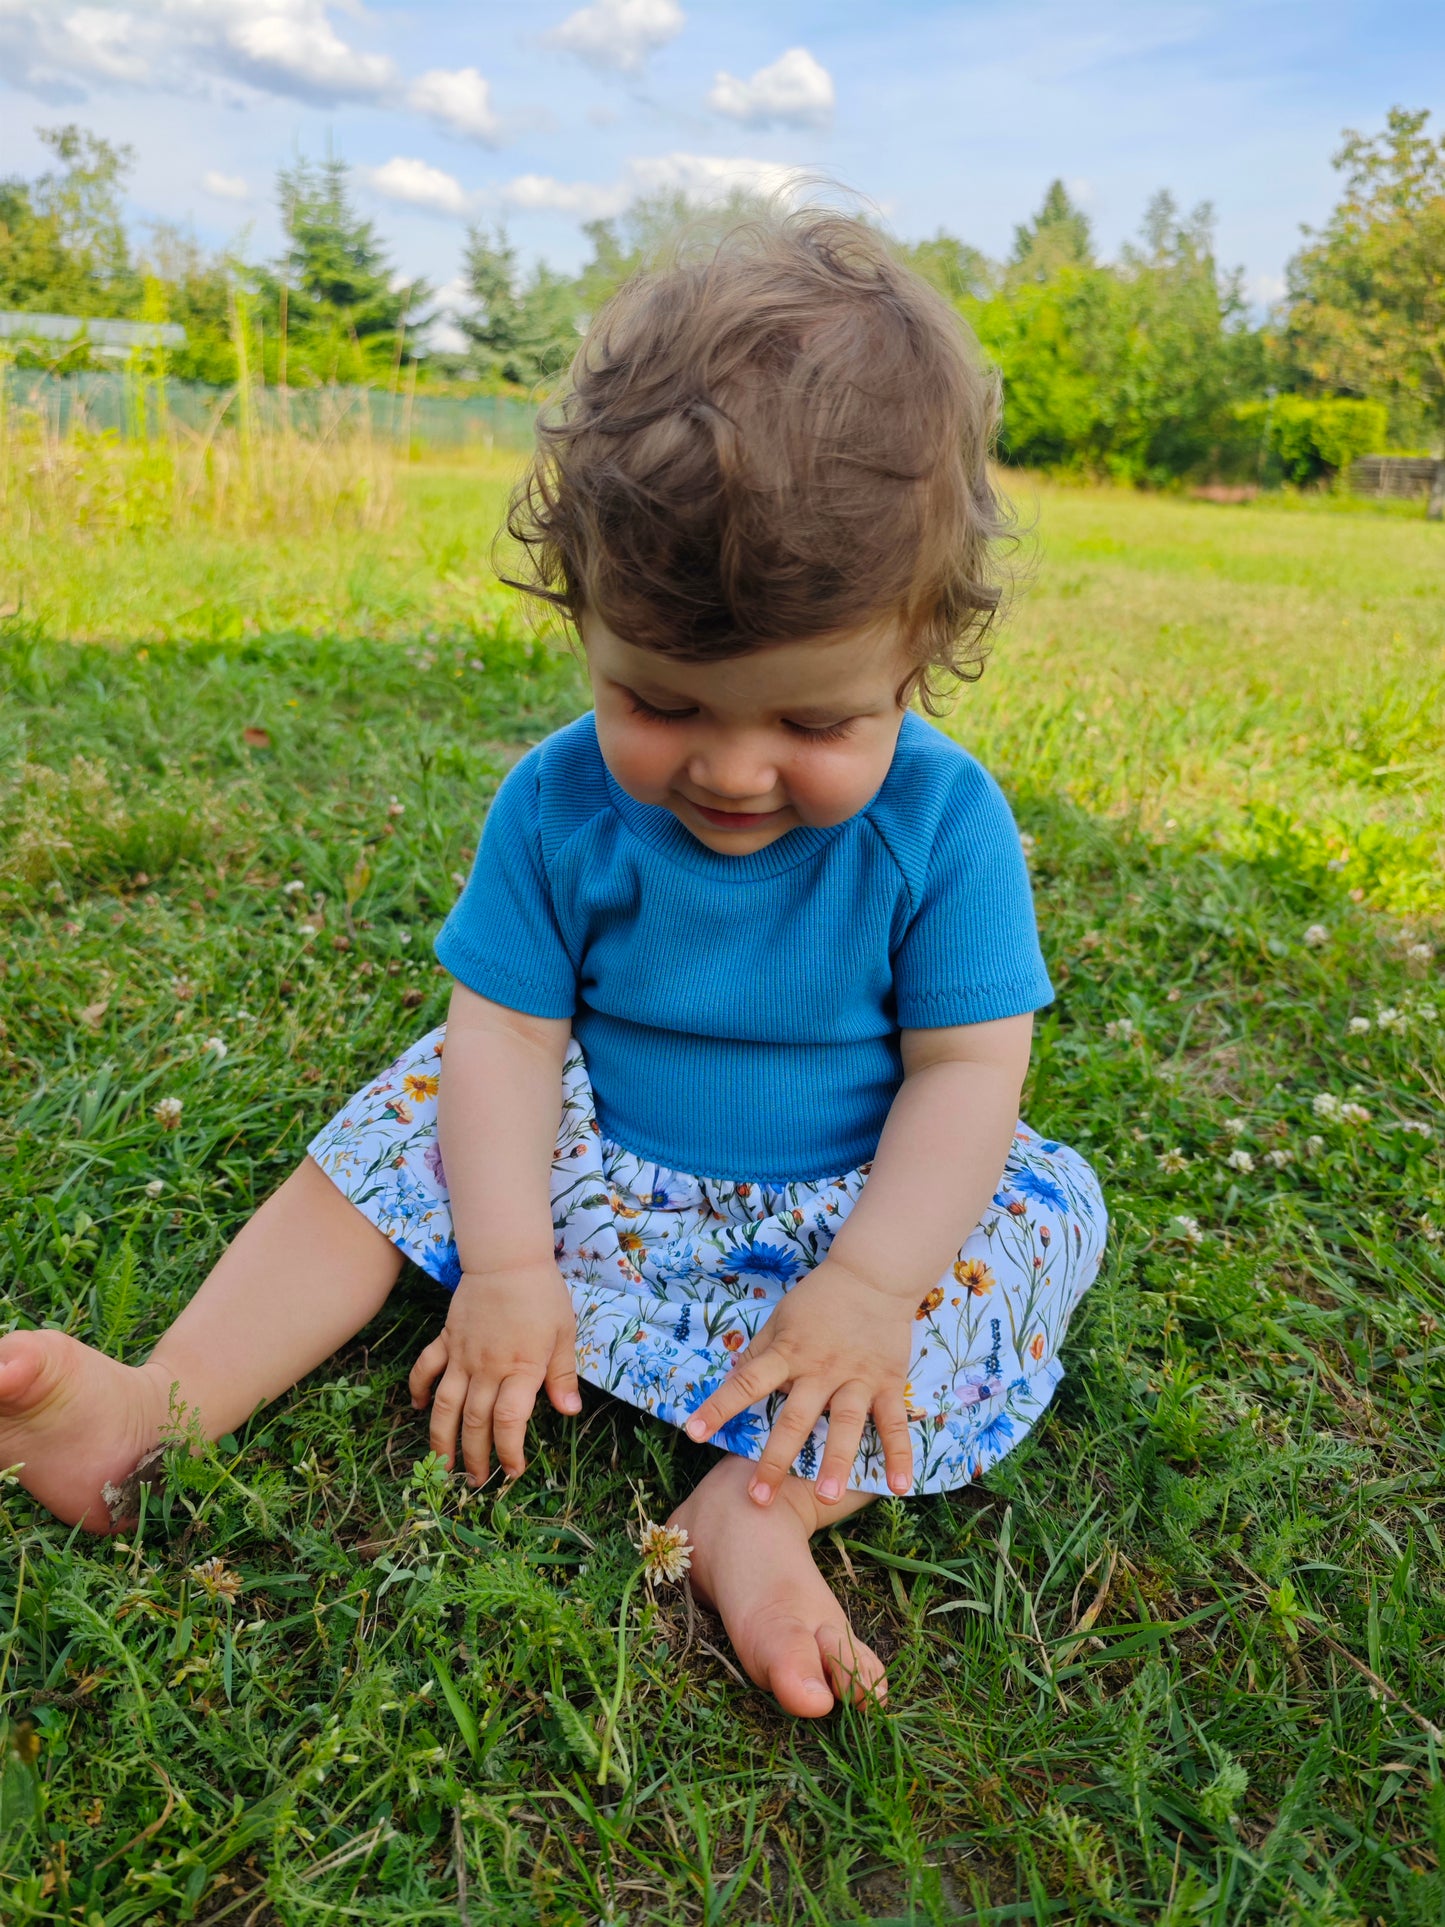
(834, 733)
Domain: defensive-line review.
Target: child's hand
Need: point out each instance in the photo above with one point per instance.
(507, 1333)
(838, 1344)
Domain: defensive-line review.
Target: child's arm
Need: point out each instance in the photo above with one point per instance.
(842, 1337)
(510, 1326)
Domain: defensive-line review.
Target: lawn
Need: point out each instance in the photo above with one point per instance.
(1180, 1659)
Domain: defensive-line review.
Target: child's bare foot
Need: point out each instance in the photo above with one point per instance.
(753, 1567)
(73, 1420)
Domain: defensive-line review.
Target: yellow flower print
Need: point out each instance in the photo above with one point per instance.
(974, 1273)
(930, 1303)
(632, 1241)
(420, 1088)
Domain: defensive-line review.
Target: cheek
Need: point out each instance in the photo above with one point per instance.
(639, 755)
(826, 789)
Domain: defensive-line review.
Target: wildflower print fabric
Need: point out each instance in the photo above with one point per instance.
(672, 1275)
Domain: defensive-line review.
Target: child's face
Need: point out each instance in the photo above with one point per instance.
(745, 750)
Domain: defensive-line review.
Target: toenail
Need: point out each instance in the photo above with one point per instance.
(827, 1490)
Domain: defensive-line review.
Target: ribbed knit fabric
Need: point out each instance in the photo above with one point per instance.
(740, 1015)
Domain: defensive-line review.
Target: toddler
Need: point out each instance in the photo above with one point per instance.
(724, 1115)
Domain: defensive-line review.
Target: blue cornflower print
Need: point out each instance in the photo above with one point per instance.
(766, 1261)
(677, 1262)
(997, 1435)
(744, 1432)
(442, 1261)
(1042, 1190)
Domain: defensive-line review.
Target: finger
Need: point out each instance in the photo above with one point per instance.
(561, 1380)
(477, 1431)
(790, 1428)
(446, 1413)
(427, 1369)
(847, 1415)
(758, 1372)
(515, 1399)
(890, 1419)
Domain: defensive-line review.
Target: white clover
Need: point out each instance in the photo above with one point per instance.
(666, 1554)
(216, 1047)
(1121, 1027)
(155, 1188)
(1240, 1161)
(1186, 1230)
(1317, 934)
(294, 888)
(1413, 1124)
(1029, 843)
(1420, 952)
(1172, 1162)
(1427, 1013)
(1391, 1019)
(1357, 1026)
(1326, 1105)
(1279, 1158)
(1313, 1146)
(1235, 1126)
(1354, 1114)
(168, 1113)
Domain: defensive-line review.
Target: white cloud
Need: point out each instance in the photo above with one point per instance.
(461, 100)
(225, 187)
(619, 33)
(418, 184)
(1266, 289)
(700, 177)
(796, 91)
(291, 46)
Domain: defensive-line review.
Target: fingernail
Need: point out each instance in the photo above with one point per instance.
(695, 1429)
(572, 1404)
(827, 1490)
(900, 1482)
(760, 1491)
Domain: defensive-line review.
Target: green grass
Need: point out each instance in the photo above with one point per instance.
(1176, 1661)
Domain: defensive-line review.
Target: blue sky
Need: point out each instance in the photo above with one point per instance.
(945, 113)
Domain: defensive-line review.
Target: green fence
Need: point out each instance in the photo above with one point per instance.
(127, 405)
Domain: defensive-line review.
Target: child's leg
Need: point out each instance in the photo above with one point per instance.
(302, 1277)
(752, 1565)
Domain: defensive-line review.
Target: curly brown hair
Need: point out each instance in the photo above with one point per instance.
(785, 438)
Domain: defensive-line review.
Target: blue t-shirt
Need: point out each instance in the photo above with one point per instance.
(740, 1015)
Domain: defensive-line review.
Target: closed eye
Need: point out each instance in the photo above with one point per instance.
(827, 733)
(653, 714)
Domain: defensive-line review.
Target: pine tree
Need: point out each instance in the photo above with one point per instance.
(1058, 236)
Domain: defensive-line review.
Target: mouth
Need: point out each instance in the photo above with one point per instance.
(734, 819)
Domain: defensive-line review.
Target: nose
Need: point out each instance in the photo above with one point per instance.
(734, 766)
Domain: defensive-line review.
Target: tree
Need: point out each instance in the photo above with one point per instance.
(1059, 236)
(1366, 313)
(958, 271)
(519, 331)
(346, 314)
(63, 245)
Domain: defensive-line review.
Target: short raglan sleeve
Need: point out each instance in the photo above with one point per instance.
(502, 939)
(970, 952)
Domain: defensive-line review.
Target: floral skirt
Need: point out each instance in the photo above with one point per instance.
(672, 1275)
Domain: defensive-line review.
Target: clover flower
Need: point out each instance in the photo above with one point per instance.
(294, 888)
(216, 1047)
(1240, 1161)
(1391, 1019)
(1317, 934)
(1172, 1162)
(1414, 1125)
(167, 1113)
(155, 1188)
(1279, 1159)
(1420, 952)
(1235, 1126)
(1121, 1027)
(1326, 1105)
(1357, 1026)
(1313, 1146)
(666, 1554)
(1186, 1230)
(216, 1579)
(1354, 1114)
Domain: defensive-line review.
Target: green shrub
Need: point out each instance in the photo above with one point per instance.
(1309, 438)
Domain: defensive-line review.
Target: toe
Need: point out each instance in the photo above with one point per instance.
(789, 1664)
(856, 1671)
(22, 1363)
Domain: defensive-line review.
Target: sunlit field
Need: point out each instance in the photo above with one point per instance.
(1180, 1659)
